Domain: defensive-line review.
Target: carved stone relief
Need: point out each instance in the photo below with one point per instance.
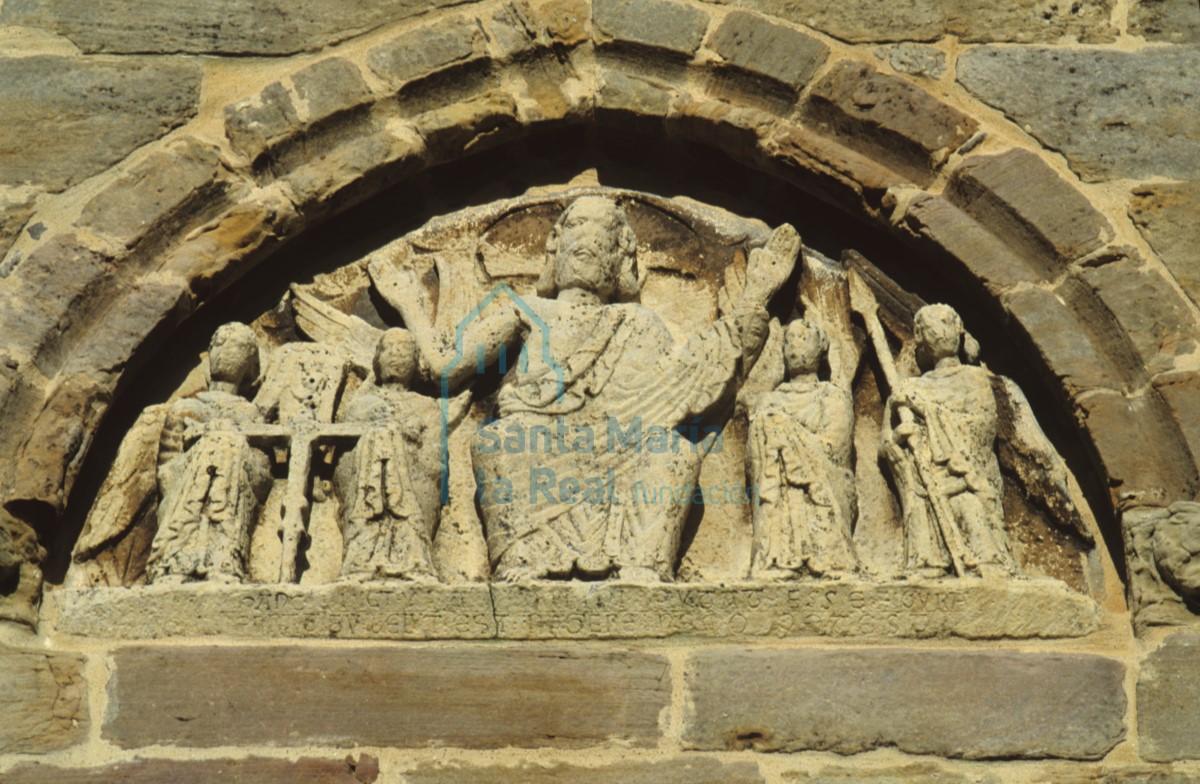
(603, 388)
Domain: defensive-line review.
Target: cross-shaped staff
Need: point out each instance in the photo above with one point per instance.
(301, 437)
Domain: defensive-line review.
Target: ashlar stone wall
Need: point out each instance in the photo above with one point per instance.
(1042, 155)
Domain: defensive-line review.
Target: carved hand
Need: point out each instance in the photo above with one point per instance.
(770, 265)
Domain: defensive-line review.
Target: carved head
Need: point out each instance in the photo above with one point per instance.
(592, 247)
(396, 358)
(1177, 550)
(939, 333)
(804, 346)
(233, 355)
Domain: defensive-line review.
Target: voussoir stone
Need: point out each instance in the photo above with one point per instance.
(253, 770)
(1181, 393)
(330, 86)
(1168, 216)
(974, 705)
(1020, 198)
(167, 187)
(1173, 21)
(697, 770)
(909, 129)
(268, 27)
(1027, 21)
(427, 49)
(66, 119)
(769, 49)
(43, 699)
(259, 122)
(1168, 692)
(521, 26)
(659, 24)
(1112, 114)
(469, 697)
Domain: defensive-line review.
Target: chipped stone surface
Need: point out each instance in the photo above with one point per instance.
(1168, 215)
(231, 27)
(330, 86)
(1168, 691)
(769, 49)
(467, 697)
(914, 59)
(1167, 21)
(974, 705)
(1017, 196)
(52, 104)
(917, 773)
(901, 124)
(424, 50)
(659, 24)
(1112, 114)
(673, 771)
(407, 611)
(43, 699)
(16, 207)
(362, 769)
(1026, 21)
(255, 124)
(169, 186)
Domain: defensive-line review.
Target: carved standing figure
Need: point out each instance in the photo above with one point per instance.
(389, 483)
(799, 459)
(939, 439)
(211, 481)
(606, 373)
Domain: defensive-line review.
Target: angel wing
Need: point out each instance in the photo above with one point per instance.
(131, 489)
(353, 337)
(1026, 453)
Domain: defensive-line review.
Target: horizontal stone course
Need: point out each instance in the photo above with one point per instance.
(683, 770)
(66, 118)
(43, 699)
(224, 27)
(408, 611)
(252, 770)
(1111, 113)
(899, 123)
(974, 705)
(469, 697)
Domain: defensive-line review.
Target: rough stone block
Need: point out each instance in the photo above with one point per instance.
(1168, 693)
(468, 125)
(1155, 318)
(657, 24)
(1169, 218)
(253, 770)
(824, 166)
(1172, 21)
(769, 49)
(16, 208)
(43, 699)
(266, 27)
(1064, 343)
(975, 705)
(698, 770)
(477, 697)
(522, 26)
(354, 168)
(426, 50)
(260, 122)
(166, 188)
(928, 20)
(66, 119)
(906, 127)
(919, 773)
(1020, 198)
(1131, 113)
(914, 59)
(980, 253)
(330, 86)
(1139, 449)
(629, 94)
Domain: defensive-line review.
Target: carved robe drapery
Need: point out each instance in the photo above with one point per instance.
(388, 486)
(212, 483)
(947, 473)
(618, 369)
(798, 453)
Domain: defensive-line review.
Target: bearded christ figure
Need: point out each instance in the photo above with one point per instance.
(600, 405)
